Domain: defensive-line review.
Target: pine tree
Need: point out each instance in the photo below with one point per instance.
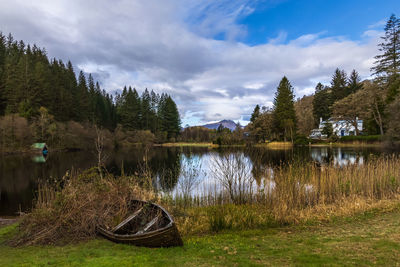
(92, 100)
(146, 111)
(129, 111)
(339, 85)
(12, 77)
(255, 114)
(169, 116)
(284, 112)
(354, 83)
(3, 51)
(321, 103)
(71, 88)
(387, 64)
(83, 97)
(155, 98)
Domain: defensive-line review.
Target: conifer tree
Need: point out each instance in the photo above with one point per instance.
(71, 88)
(92, 101)
(3, 101)
(255, 114)
(83, 97)
(387, 64)
(321, 103)
(354, 83)
(284, 112)
(169, 120)
(147, 116)
(339, 85)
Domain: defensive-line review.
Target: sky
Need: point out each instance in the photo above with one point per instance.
(217, 58)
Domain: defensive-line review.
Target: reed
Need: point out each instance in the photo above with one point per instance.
(295, 193)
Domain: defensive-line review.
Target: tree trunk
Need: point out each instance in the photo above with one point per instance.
(355, 124)
(380, 123)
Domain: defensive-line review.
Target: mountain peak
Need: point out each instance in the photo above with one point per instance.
(230, 124)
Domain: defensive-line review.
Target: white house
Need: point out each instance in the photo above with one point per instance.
(340, 128)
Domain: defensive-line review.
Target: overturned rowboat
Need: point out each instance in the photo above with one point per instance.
(150, 225)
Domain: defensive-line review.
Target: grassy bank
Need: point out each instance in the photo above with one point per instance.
(276, 145)
(370, 238)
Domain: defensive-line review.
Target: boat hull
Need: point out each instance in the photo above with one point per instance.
(167, 236)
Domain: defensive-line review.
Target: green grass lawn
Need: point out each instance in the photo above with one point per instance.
(368, 239)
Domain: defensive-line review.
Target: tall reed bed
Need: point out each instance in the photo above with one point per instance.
(290, 194)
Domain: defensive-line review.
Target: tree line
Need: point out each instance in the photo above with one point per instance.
(30, 81)
(376, 101)
(150, 111)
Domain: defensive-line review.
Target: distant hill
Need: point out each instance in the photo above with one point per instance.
(231, 125)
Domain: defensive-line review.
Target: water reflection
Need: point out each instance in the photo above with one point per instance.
(41, 158)
(20, 174)
(340, 156)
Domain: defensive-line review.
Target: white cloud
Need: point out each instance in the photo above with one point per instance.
(169, 46)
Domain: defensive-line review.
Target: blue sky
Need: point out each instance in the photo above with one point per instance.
(218, 59)
(347, 18)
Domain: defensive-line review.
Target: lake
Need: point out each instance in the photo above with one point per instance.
(168, 166)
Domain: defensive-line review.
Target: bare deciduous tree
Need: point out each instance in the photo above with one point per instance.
(233, 170)
(99, 144)
(191, 173)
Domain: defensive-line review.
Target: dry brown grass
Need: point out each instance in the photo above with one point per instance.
(71, 210)
(299, 193)
(304, 187)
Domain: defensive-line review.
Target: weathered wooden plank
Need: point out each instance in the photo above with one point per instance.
(149, 225)
(136, 213)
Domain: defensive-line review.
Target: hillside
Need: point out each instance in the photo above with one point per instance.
(231, 125)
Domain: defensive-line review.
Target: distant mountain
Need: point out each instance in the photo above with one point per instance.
(231, 125)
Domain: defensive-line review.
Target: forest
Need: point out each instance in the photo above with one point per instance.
(41, 99)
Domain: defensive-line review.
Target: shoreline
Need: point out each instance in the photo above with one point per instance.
(270, 145)
(7, 220)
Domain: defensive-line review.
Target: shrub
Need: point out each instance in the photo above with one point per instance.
(301, 140)
(70, 209)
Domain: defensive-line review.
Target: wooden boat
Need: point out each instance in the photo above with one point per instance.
(150, 225)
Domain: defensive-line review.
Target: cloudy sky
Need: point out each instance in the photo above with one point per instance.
(217, 58)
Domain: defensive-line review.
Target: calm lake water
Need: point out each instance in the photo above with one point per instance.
(21, 174)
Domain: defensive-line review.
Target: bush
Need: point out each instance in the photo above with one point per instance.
(301, 140)
(70, 209)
